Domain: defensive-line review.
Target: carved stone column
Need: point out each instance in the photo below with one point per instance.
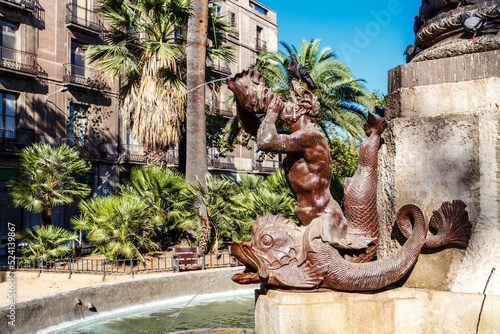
(443, 144)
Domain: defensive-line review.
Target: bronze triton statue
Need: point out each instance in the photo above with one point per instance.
(329, 249)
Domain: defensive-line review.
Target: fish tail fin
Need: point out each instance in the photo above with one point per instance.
(374, 125)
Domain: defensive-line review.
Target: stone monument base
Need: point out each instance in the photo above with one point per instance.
(401, 310)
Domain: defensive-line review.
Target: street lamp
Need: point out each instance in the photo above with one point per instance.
(62, 89)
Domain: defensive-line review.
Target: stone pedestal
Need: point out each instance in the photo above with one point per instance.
(399, 311)
(443, 144)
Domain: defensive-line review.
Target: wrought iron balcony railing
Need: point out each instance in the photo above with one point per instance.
(220, 67)
(132, 153)
(88, 149)
(19, 61)
(260, 44)
(83, 17)
(23, 4)
(81, 76)
(16, 140)
(265, 166)
(221, 163)
(172, 158)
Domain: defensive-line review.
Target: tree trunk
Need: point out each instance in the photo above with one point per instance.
(47, 215)
(204, 240)
(196, 152)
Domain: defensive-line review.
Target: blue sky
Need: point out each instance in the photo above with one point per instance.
(368, 36)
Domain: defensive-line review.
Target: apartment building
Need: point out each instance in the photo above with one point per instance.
(49, 92)
(46, 87)
(255, 29)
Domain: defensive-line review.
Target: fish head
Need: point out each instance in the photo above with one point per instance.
(275, 243)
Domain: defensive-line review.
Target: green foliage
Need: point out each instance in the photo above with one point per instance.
(144, 43)
(342, 97)
(47, 242)
(344, 158)
(48, 178)
(378, 98)
(120, 227)
(344, 164)
(232, 206)
(272, 195)
(166, 192)
(217, 196)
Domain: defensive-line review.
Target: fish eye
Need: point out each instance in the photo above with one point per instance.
(267, 240)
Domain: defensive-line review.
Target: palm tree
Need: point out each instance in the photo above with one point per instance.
(120, 227)
(165, 191)
(272, 196)
(216, 195)
(342, 97)
(196, 160)
(47, 242)
(48, 178)
(144, 43)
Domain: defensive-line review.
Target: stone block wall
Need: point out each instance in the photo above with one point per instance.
(442, 144)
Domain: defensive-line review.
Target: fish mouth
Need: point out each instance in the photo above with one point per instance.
(245, 254)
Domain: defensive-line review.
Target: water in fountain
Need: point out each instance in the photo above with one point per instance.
(228, 310)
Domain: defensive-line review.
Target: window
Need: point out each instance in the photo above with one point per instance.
(232, 18)
(259, 9)
(215, 102)
(177, 36)
(77, 124)
(260, 44)
(8, 115)
(78, 59)
(216, 9)
(8, 40)
(132, 143)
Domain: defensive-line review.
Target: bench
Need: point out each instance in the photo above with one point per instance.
(188, 258)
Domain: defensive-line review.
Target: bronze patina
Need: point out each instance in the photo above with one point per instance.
(330, 248)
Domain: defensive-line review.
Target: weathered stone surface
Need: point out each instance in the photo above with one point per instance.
(39, 313)
(442, 143)
(415, 311)
(442, 35)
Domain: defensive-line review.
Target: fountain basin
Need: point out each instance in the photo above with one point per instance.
(401, 310)
(41, 313)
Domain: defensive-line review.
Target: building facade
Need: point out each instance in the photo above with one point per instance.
(49, 92)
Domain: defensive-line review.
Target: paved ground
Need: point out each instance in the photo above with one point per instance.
(29, 285)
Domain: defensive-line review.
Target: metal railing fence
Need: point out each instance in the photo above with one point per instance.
(84, 17)
(132, 267)
(18, 60)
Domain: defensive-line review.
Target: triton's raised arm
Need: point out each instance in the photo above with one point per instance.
(252, 98)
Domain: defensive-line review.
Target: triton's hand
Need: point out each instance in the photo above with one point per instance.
(276, 106)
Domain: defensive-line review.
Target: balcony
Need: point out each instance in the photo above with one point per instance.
(221, 163)
(172, 158)
(265, 166)
(79, 76)
(83, 18)
(13, 141)
(221, 67)
(260, 44)
(132, 154)
(87, 149)
(28, 5)
(18, 62)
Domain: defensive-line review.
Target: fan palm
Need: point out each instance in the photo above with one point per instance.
(272, 196)
(143, 43)
(47, 242)
(342, 97)
(163, 190)
(217, 196)
(48, 178)
(120, 227)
